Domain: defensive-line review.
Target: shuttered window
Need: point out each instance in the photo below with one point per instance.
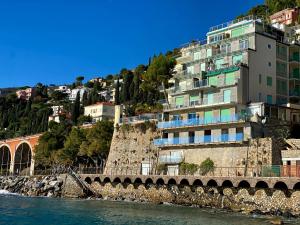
(208, 116)
(236, 59)
(225, 115)
(230, 78)
(213, 80)
(227, 96)
(179, 101)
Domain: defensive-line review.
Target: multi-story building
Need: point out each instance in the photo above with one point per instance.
(100, 111)
(57, 111)
(226, 88)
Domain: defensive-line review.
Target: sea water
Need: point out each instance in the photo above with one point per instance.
(16, 209)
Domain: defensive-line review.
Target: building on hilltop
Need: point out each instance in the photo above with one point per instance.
(100, 111)
(25, 94)
(241, 83)
(80, 90)
(57, 111)
(287, 16)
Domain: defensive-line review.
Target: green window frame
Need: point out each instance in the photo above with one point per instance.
(269, 81)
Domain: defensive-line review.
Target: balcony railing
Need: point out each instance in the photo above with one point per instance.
(205, 139)
(141, 118)
(294, 93)
(192, 86)
(200, 121)
(215, 100)
(169, 159)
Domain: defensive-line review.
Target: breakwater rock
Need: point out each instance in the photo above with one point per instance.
(50, 186)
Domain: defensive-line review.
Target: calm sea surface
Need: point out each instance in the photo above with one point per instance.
(44, 211)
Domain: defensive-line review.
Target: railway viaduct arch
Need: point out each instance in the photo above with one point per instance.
(16, 155)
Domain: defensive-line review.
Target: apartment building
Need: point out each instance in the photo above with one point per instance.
(226, 87)
(100, 111)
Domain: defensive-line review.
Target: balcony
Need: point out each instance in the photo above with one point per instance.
(196, 85)
(201, 121)
(217, 99)
(294, 93)
(170, 159)
(294, 59)
(199, 140)
(184, 58)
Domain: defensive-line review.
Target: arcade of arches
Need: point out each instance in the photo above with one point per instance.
(16, 155)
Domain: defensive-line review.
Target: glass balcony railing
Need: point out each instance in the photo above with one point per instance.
(294, 93)
(170, 159)
(200, 121)
(207, 101)
(205, 139)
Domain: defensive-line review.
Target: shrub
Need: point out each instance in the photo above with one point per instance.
(207, 166)
(161, 168)
(188, 168)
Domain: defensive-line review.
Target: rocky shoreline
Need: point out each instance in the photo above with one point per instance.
(48, 186)
(258, 202)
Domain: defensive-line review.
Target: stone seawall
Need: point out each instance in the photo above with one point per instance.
(273, 202)
(263, 201)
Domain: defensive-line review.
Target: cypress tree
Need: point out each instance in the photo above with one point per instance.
(117, 93)
(76, 108)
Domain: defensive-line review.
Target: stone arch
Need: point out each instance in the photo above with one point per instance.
(5, 159)
(261, 184)
(138, 181)
(22, 158)
(88, 180)
(160, 181)
(297, 186)
(197, 182)
(127, 180)
(107, 180)
(184, 182)
(172, 181)
(149, 181)
(212, 183)
(117, 180)
(97, 179)
(244, 184)
(280, 186)
(227, 183)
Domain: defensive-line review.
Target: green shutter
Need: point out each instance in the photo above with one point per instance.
(194, 98)
(213, 81)
(208, 116)
(179, 101)
(269, 99)
(296, 73)
(210, 98)
(225, 115)
(227, 96)
(230, 78)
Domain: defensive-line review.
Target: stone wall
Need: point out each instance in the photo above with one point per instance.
(131, 145)
(238, 200)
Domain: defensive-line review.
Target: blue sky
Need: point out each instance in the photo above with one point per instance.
(53, 41)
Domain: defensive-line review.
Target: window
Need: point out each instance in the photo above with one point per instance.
(259, 97)
(194, 99)
(179, 102)
(202, 67)
(269, 46)
(269, 81)
(208, 117)
(269, 99)
(259, 78)
(244, 44)
(226, 48)
(213, 81)
(226, 115)
(196, 55)
(237, 59)
(229, 78)
(227, 96)
(270, 64)
(210, 98)
(219, 63)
